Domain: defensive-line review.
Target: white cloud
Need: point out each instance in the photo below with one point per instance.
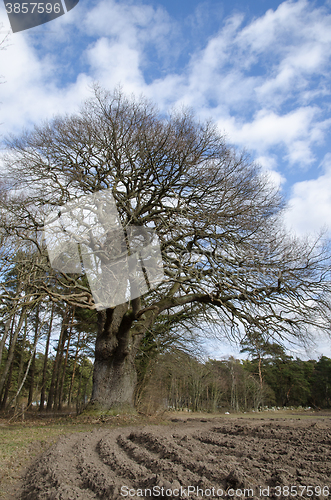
(268, 128)
(268, 165)
(309, 207)
(131, 25)
(296, 131)
(114, 63)
(261, 34)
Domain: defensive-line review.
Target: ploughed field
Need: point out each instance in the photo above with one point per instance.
(192, 458)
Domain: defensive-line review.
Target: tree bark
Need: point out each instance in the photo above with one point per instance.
(52, 390)
(33, 362)
(3, 403)
(65, 362)
(7, 329)
(12, 349)
(74, 370)
(26, 374)
(43, 384)
(20, 369)
(115, 375)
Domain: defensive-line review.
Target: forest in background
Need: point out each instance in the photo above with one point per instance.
(47, 364)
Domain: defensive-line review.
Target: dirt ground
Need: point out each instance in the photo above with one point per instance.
(188, 458)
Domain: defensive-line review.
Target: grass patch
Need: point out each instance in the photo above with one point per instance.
(96, 410)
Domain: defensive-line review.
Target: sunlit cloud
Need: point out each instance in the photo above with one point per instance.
(309, 209)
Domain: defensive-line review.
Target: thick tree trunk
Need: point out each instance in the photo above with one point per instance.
(114, 382)
(115, 376)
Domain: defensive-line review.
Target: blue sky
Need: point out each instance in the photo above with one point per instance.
(261, 70)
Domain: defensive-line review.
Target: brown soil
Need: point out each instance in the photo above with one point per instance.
(232, 456)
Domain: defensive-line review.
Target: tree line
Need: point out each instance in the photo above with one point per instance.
(181, 381)
(45, 359)
(48, 366)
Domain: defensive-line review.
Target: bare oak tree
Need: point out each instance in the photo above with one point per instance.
(226, 258)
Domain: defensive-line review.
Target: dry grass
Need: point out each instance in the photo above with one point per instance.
(21, 442)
